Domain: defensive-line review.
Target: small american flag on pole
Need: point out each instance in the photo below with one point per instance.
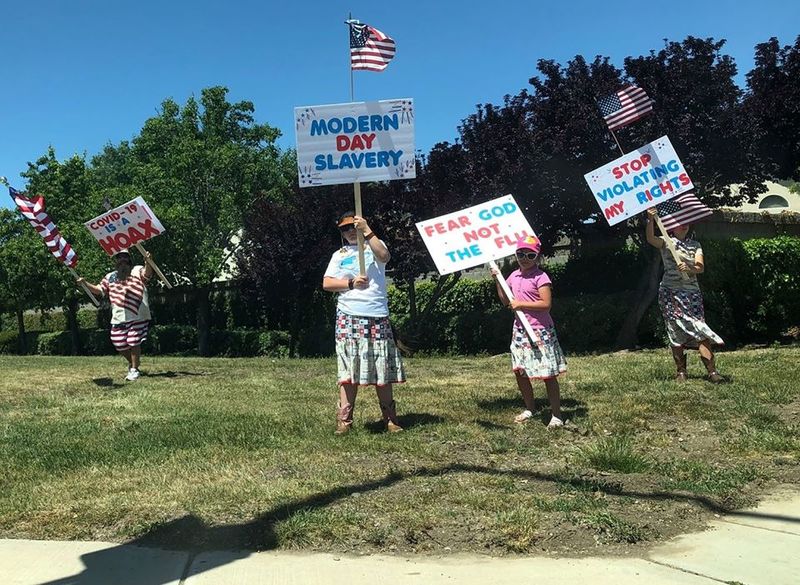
(626, 106)
(34, 212)
(681, 210)
(370, 49)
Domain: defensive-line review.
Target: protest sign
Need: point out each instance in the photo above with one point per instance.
(355, 142)
(638, 180)
(125, 226)
(475, 235)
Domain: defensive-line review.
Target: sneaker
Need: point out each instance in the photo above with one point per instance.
(555, 423)
(523, 417)
(133, 374)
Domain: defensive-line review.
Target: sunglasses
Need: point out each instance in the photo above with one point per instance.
(347, 228)
(528, 255)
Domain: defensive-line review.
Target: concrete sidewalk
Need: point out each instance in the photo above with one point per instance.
(752, 547)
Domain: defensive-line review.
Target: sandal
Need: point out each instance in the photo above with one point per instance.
(523, 417)
(681, 377)
(715, 377)
(555, 423)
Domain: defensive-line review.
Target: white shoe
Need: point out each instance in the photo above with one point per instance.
(133, 374)
(555, 422)
(523, 417)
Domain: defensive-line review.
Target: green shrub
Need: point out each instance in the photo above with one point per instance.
(170, 339)
(58, 343)
(273, 343)
(9, 342)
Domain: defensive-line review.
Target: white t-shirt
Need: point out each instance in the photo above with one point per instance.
(128, 297)
(369, 302)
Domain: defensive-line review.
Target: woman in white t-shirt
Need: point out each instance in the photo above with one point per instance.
(126, 289)
(365, 349)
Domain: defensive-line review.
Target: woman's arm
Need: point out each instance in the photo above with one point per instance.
(96, 290)
(650, 232)
(332, 284)
(379, 249)
(544, 303)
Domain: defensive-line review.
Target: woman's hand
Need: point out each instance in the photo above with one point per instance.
(495, 271)
(361, 224)
(360, 282)
(651, 213)
(516, 305)
(683, 267)
(80, 281)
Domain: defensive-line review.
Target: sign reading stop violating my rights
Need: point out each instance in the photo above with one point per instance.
(125, 226)
(355, 142)
(475, 235)
(638, 180)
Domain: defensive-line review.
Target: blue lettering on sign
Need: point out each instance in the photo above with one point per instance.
(349, 124)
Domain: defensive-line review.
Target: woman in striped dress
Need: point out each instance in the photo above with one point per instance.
(126, 289)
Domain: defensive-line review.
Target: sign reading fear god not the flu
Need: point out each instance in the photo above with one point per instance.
(638, 180)
(475, 235)
(125, 226)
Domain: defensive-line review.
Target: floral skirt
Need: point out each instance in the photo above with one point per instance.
(538, 362)
(684, 318)
(366, 352)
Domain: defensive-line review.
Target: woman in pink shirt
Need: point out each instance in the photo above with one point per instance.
(531, 288)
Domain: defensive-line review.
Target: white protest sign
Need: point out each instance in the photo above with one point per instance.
(355, 142)
(475, 235)
(638, 180)
(125, 226)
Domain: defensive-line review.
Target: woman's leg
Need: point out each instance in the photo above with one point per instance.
(707, 357)
(554, 396)
(679, 355)
(344, 412)
(388, 409)
(136, 354)
(525, 388)
(126, 353)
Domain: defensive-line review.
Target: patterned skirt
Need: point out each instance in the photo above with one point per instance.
(537, 362)
(684, 318)
(127, 335)
(365, 351)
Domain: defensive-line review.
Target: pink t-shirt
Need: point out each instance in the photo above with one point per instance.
(525, 287)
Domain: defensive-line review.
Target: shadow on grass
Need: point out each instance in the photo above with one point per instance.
(570, 407)
(407, 421)
(172, 374)
(192, 535)
(107, 383)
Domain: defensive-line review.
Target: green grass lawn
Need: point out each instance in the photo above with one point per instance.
(232, 453)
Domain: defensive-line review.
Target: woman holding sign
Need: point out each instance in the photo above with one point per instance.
(681, 301)
(365, 348)
(126, 289)
(531, 288)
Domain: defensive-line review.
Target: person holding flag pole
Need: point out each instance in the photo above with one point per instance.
(34, 211)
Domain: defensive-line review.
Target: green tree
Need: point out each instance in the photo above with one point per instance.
(200, 166)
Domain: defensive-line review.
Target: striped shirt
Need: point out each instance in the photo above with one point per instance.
(128, 297)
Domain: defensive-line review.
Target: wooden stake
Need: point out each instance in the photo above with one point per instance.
(520, 315)
(670, 245)
(361, 262)
(156, 269)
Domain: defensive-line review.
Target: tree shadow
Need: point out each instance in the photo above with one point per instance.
(191, 534)
(407, 421)
(107, 383)
(490, 426)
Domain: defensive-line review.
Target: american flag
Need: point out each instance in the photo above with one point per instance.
(626, 106)
(370, 49)
(681, 210)
(34, 212)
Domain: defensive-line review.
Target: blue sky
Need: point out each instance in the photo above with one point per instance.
(79, 74)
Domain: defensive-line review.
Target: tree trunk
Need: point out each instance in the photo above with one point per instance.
(294, 329)
(203, 321)
(646, 291)
(22, 340)
(72, 323)
(412, 299)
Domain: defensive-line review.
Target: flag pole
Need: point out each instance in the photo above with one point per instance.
(356, 185)
(85, 288)
(617, 141)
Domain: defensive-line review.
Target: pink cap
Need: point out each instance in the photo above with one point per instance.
(529, 243)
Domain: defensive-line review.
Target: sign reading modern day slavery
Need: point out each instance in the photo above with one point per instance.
(475, 235)
(359, 141)
(125, 226)
(638, 180)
